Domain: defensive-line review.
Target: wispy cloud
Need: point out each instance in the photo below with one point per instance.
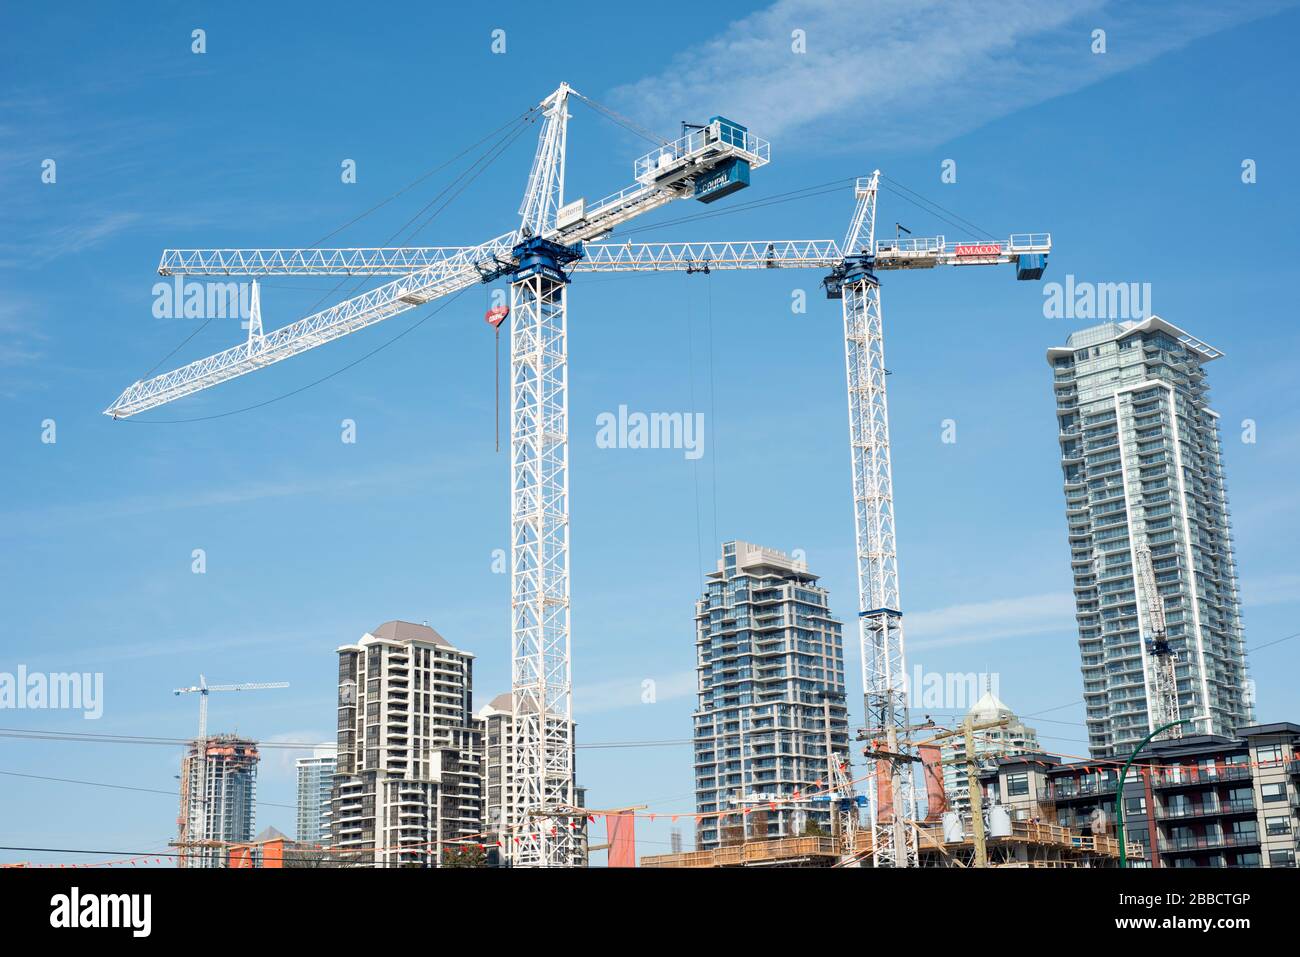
(912, 72)
(988, 621)
(296, 487)
(82, 235)
(20, 337)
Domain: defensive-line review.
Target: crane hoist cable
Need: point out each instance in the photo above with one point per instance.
(615, 117)
(975, 226)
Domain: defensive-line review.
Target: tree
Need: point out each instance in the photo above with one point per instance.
(464, 855)
(812, 829)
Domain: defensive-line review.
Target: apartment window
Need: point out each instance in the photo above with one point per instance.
(1270, 754)
(1280, 824)
(1135, 805)
(1284, 858)
(1272, 793)
(1017, 783)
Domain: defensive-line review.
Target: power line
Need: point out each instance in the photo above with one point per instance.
(122, 787)
(79, 850)
(90, 737)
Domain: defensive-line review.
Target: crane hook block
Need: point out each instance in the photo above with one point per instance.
(496, 315)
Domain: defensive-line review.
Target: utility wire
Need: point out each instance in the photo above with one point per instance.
(121, 787)
(80, 850)
(91, 737)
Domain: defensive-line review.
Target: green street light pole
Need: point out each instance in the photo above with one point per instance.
(1119, 789)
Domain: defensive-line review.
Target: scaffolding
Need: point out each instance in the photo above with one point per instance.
(1030, 844)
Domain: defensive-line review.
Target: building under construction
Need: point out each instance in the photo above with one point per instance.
(218, 798)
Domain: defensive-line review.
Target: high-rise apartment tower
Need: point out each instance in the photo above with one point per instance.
(1141, 457)
(770, 667)
(409, 780)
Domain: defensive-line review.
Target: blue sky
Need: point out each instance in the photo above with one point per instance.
(1131, 158)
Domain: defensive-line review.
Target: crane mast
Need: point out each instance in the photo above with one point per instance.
(541, 680)
(880, 617)
(1160, 655)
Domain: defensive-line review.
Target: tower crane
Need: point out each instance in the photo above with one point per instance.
(1160, 654)
(194, 820)
(705, 163)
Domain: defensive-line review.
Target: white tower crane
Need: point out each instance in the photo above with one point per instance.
(1159, 654)
(193, 823)
(706, 163)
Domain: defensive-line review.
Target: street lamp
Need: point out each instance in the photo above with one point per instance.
(1119, 789)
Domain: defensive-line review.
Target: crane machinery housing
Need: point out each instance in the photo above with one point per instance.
(554, 240)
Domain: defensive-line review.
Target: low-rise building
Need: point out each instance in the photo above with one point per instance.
(1198, 801)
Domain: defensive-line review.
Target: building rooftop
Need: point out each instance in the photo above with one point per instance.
(757, 559)
(1110, 331)
(1275, 727)
(409, 631)
(403, 632)
(990, 708)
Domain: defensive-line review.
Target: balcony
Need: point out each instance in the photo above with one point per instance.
(1206, 842)
(1199, 777)
(1055, 792)
(1207, 809)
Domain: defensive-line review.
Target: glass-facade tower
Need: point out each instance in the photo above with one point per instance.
(1141, 459)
